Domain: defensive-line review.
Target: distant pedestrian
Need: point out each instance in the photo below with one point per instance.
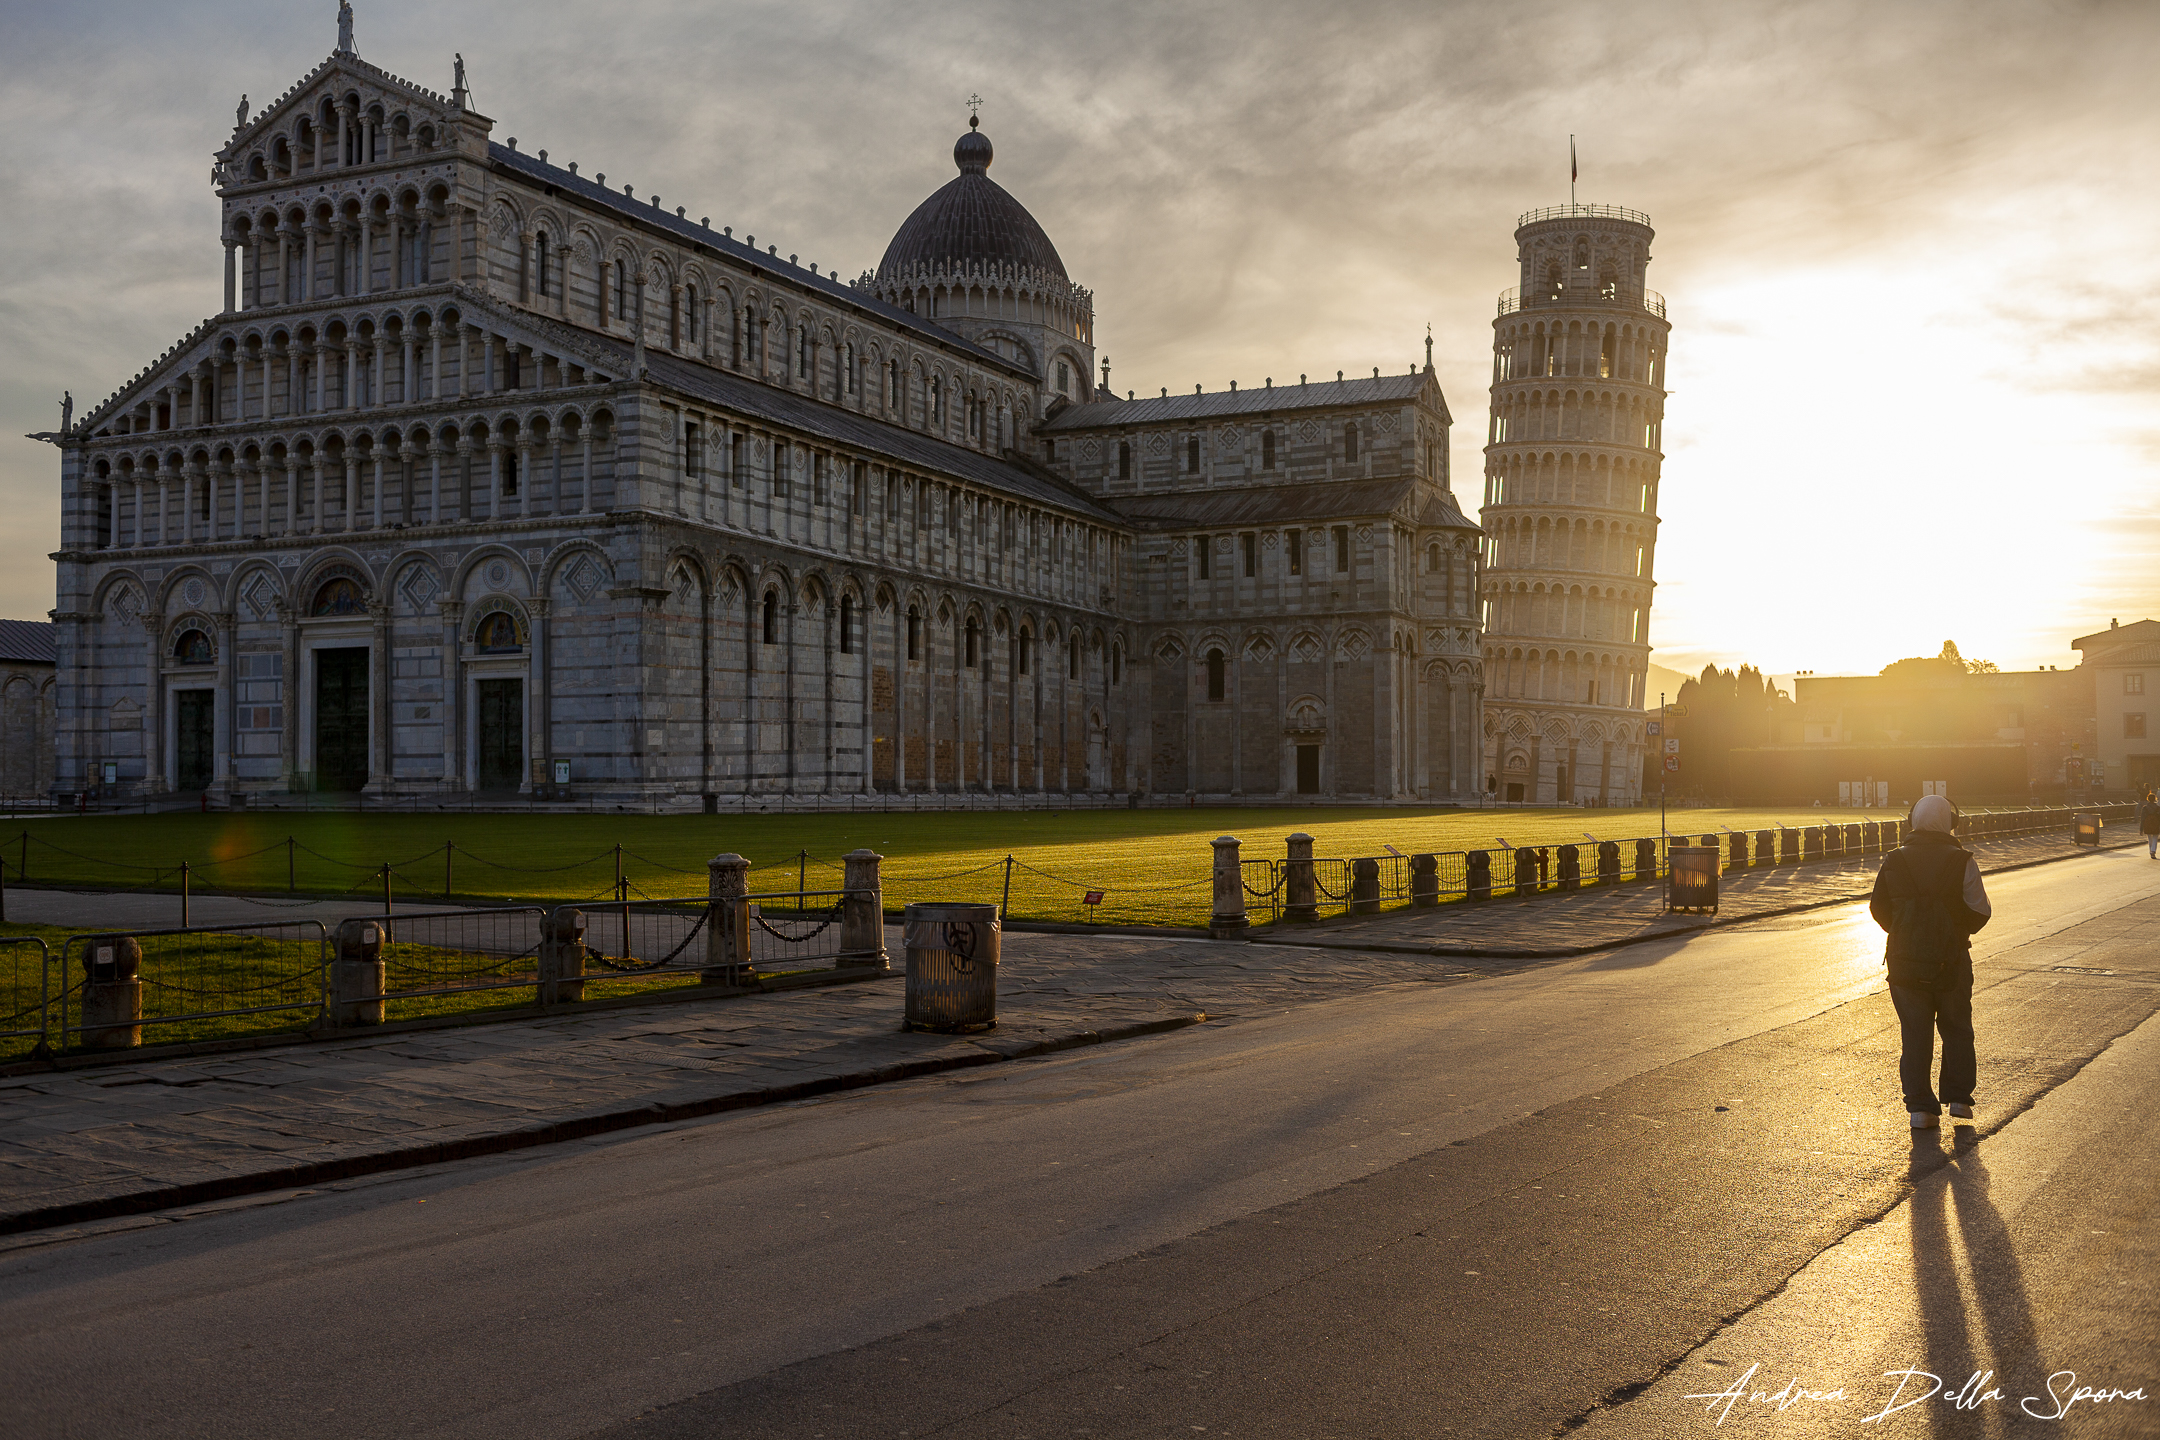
(2149, 825)
(1928, 896)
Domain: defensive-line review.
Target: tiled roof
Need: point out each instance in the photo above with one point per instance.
(27, 640)
(872, 436)
(603, 198)
(1371, 390)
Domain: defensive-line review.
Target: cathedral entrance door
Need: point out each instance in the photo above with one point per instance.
(1308, 769)
(502, 733)
(341, 718)
(194, 738)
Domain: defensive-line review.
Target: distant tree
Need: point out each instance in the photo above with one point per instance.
(1726, 710)
(1946, 662)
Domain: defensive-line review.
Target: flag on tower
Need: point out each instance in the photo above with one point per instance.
(1574, 171)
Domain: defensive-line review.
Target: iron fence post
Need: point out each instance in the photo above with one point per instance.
(1005, 901)
(183, 894)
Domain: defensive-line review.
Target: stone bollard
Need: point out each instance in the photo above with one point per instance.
(1852, 840)
(1788, 846)
(1891, 829)
(356, 973)
(1425, 880)
(1300, 899)
(1570, 867)
(1736, 850)
(1811, 843)
(562, 956)
(1608, 862)
(1526, 871)
(1646, 859)
(1870, 837)
(1365, 887)
(1766, 847)
(1228, 922)
(727, 924)
(112, 992)
(862, 913)
(1477, 874)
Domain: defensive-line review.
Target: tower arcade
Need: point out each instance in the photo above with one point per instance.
(1570, 516)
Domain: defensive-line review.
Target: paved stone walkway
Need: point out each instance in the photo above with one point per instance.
(1553, 924)
(113, 1138)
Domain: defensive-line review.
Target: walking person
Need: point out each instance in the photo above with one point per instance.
(1929, 899)
(2149, 825)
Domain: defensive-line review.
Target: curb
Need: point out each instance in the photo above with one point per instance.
(318, 1172)
(1715, 922)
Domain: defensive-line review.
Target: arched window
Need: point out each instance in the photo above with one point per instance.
(1117, 664)
(622, 292)
(1192, 455)
(847, 624)
(914, 633)
(1124, 460)
(1064, 379)
(974, 639)
(192, 648)
(1022, 646)
(772, 617)
(1432, 557)
(1349, 442)
(339, 596)
(1267, 449)
(1072, 659)
(497, 634)
(1215, 669)
(540, 257)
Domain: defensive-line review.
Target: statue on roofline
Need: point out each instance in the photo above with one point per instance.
(344, 28)
(240, 116)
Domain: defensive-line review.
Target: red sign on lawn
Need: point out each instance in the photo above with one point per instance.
(1093, 897)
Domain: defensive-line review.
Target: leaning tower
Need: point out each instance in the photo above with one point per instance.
(1570, 516)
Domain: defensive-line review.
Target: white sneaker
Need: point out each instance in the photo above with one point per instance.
(1960, 1112)
(1921, 1120)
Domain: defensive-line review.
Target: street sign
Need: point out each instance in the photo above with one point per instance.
(1654, 728)
(1672, 745)
(1672, 762)
(1676, 711)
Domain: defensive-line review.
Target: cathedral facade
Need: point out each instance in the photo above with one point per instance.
(491, 479)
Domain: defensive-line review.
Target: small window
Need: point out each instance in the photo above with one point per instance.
(974, 643)
(1215, 669)
(1349, 442)
(914, 633)
(510, 472)
(1192, 455)
(2133, 684)
(1050, 451)
(1342, 549)
(1250, 544)
(847, 624)
(540, 254)
(1117, 664)
(1021, 647)
(1293, 545)
(192, 648)
(1267, 449)
(497, 634)
(1432, 557)
(1064, 379)
(1124, 460)
(1201, 549)
(2134, 725)
(1072, 659)
(772, 617)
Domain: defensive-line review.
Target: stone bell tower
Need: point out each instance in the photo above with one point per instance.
(1570, 512)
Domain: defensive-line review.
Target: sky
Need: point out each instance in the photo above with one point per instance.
(1907, 247)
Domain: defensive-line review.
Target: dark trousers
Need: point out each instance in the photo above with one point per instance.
(1922, 1010)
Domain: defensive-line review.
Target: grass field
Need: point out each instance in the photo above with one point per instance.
(1152, 865)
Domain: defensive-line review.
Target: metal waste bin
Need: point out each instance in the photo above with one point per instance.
(2085, 830)
(1691, 876)
(952, 960)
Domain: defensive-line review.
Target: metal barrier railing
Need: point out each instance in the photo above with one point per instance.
(15, 956)
(427, 953)
(254, 969)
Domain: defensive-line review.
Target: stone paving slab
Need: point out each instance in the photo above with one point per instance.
(1554, 925)
(155, 1133)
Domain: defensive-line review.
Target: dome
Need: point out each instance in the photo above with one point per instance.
(972, 221)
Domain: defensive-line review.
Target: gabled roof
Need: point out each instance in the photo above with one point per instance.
(1269, 399)
(1279, 504)
(29, 641)
(600, 197)
(2100, 642)
(870, 435)
(359, 69)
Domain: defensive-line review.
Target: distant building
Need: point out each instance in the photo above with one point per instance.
(2125, 665)
(27, 691)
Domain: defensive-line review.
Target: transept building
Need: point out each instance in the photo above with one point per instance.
(494, 479)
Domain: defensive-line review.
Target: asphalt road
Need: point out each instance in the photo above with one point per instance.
(1499, 1208)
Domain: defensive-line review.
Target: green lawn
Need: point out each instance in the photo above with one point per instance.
(1152, 865)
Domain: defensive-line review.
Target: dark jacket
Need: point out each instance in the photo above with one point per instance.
(2149, 819)
(1929, 898)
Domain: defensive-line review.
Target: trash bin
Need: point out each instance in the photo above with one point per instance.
(1691, 877)
(952, 960)
(2087, 831)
